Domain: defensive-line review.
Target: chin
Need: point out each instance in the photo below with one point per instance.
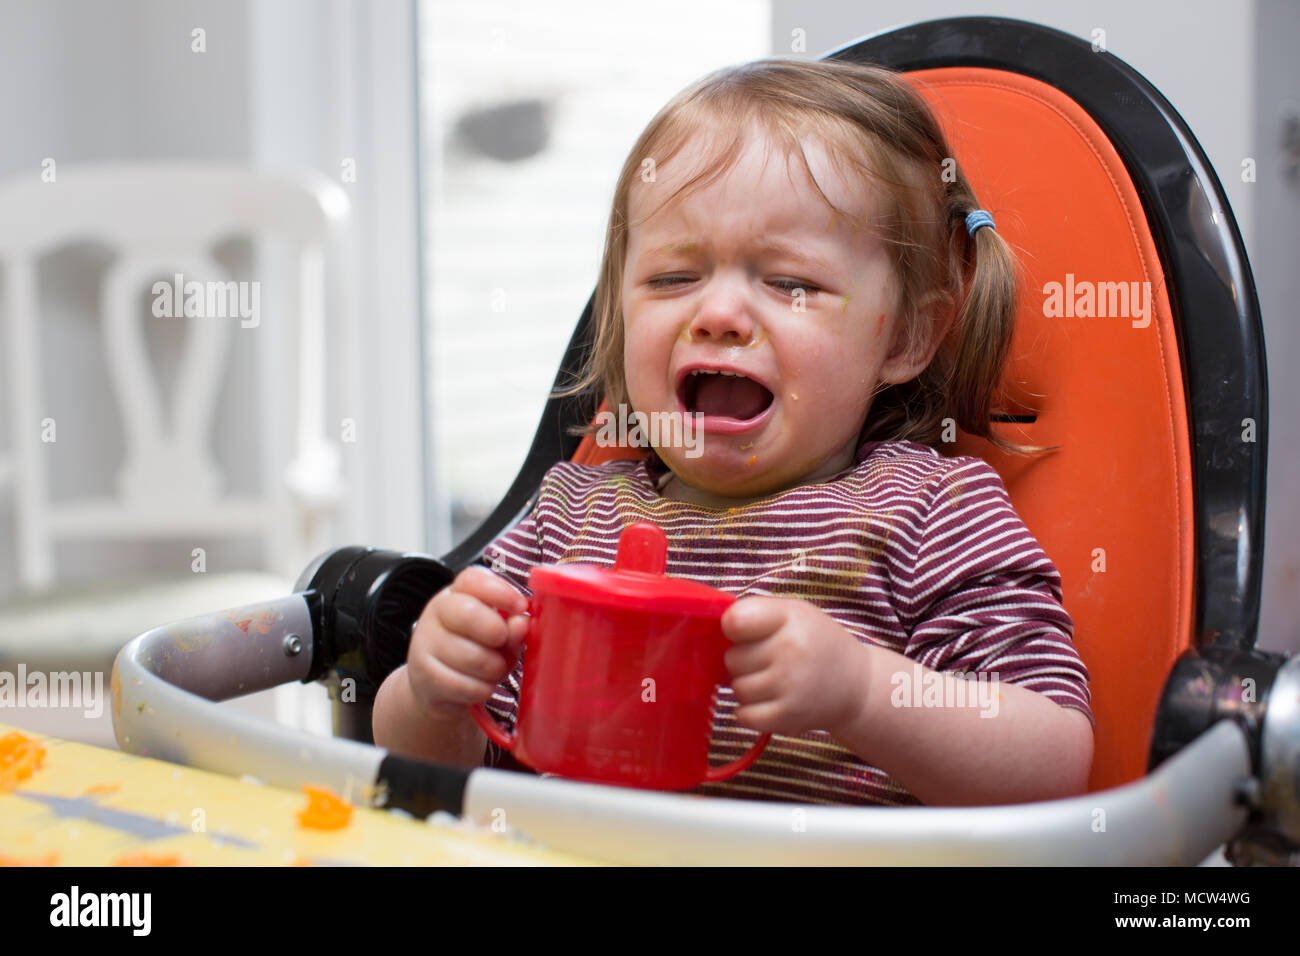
(734, 481)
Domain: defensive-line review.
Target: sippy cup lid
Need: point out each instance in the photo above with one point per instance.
(637, 581)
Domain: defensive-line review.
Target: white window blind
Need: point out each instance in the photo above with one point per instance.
(527, 113)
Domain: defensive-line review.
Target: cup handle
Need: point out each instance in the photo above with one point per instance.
(729, 770)
(488, 724)
(490, 727)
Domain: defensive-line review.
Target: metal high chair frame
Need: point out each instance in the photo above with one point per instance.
(1221, 761)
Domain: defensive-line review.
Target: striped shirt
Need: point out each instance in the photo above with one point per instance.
(910, 550)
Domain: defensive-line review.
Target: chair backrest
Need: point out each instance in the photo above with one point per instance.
(1153, 508)
(1113, 508)
(162, 222)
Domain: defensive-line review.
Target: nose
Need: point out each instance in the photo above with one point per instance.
(724, 315)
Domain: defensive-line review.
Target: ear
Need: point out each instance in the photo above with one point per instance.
(908, 359)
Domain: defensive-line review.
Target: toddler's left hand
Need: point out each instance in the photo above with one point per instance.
(793, 667)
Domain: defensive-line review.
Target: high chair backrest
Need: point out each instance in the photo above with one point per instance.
(1153, 507)
(161, 221)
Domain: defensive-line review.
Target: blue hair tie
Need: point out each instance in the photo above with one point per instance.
(978, 220)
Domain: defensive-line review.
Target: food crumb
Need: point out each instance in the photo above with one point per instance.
(325, 811)
(20, 757)
(752, 459)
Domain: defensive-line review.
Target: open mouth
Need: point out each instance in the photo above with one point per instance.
(723, 395)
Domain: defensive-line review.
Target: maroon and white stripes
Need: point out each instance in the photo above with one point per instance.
(909, 550)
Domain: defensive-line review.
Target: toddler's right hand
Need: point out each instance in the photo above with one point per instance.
(461, 647)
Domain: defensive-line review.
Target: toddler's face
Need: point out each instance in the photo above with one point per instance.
(710, 280)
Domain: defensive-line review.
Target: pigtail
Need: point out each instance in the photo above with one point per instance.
(980, 340)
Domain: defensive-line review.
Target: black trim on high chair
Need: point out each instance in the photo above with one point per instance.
(551, 444)
(1211, 289)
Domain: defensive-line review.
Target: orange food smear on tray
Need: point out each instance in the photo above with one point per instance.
(149, 859)
(325, 811)
(103, 788)
(49, 859)
(20, 756)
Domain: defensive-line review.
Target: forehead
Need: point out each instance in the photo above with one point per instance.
(791, 192)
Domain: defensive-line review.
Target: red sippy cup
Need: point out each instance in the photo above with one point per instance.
(621, 675)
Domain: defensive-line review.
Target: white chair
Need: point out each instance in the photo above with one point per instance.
(160, 220)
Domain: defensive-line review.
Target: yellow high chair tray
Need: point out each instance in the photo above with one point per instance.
(87, 806)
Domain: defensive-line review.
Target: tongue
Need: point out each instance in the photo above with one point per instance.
(731, 396)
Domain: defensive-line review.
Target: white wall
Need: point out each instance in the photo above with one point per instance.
(1274, 255)
(336, 81)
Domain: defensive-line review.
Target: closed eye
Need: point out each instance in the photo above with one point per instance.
(664, 281)
(790, 285)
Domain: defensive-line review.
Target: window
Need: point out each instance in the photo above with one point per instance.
(527, 113)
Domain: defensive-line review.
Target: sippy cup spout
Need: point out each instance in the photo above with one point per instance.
(642, 547)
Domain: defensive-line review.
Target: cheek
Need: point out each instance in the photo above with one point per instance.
(645, 365)
(837, 368)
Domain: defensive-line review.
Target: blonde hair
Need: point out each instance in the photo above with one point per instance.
(873, 120)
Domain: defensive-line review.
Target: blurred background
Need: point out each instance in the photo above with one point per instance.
(458, 159)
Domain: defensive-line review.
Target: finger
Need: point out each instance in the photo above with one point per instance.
(755, 688)
(753, 618)
(517, 627)
(472, 659)
(764, 717)
(467, 616)
(742, 659)
(452, 687)
(491, 589)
